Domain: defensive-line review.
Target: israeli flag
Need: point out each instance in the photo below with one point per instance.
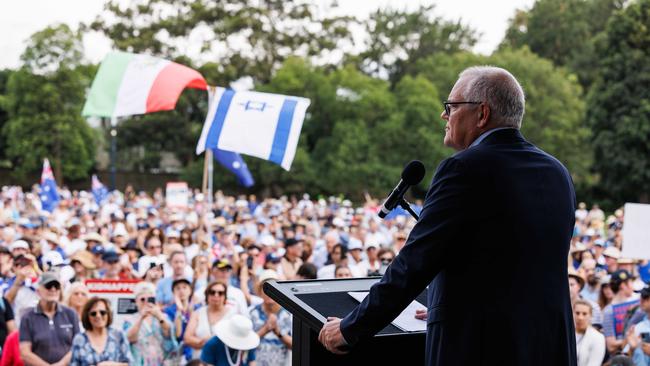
(263, 125)
(48, 191)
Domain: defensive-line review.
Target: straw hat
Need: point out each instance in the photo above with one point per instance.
(573, 273)
(85, 258)
(94, 237)
(237, 333)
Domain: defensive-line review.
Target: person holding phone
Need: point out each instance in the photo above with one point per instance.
(638, 336)
(590, 343)
(149, 331)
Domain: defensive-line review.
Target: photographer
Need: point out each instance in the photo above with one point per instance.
(638, 336)
(149, 331)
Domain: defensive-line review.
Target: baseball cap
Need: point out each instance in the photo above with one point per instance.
(111, 257)
(273, 258)
(290, 242)
(98, 250)
(180, 280)
(223, 263)
(620, 276)
(48, 277)
(355, 244)
(19, 244)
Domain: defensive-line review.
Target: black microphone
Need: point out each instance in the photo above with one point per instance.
(411, 175)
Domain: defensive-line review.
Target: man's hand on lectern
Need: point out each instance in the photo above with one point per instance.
(332, 338)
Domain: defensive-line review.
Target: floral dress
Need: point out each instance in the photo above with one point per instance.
(271, 351)
(116, 349)
(152, 347)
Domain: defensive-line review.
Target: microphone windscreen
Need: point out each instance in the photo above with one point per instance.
(413, 172)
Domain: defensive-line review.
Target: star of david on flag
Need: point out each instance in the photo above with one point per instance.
(48, 191)
(99, 190)
(263, 125)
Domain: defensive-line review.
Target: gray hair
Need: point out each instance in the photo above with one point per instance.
(499, 89)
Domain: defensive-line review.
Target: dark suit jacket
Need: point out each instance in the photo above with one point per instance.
(492, 244)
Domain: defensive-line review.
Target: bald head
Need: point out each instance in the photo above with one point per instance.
(499, 89)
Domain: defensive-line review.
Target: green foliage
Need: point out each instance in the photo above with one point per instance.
(619, 106)
(43, 101)
(398, 39)
(563, 31)
(244, 38)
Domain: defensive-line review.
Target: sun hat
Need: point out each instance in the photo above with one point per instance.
(237, 332)
(19, 244)
(144, 288)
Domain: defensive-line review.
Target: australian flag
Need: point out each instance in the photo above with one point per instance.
(236, 164)
(99, 190)
(49, 195)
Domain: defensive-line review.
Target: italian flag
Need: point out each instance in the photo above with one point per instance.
(128, 84)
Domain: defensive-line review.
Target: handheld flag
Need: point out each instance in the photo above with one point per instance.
(234, 162)
(99, 190)
(128, 84)
(259, 124)
(48, 195)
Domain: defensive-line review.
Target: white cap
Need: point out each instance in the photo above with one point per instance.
(19, 244)
(354, 243)
(267, 240)
(52, 257)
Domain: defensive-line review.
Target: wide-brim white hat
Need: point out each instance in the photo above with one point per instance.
(237, 333)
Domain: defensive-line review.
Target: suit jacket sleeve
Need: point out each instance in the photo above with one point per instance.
(421, 259)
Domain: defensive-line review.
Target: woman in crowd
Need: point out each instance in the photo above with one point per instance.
(76, 296)
(100, 344)
(201, 268)
(189, 246)
(234, 343)
(605, 294)
(200, 327)
(273, 324)
(589, 342)
(149, 331)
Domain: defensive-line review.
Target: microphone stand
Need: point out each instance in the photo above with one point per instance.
(407, 206)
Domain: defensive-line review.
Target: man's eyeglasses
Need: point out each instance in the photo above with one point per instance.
(99, 312)
(447, 105)
(215, 292)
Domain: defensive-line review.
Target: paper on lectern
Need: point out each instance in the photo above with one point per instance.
(406, 320)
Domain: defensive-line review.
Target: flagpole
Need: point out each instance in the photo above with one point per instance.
(208, 157)
(113, 150)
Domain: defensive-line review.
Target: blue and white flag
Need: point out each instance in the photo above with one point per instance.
(99, 190)
(234, 162)
(263, 125)
(48, 195)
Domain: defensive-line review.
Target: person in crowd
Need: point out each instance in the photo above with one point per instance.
(177, 261)
(153, 251)
(112, 266)
(100, 344)
(236, 299)
(20, 247)
(605, 295)
(307, 271)
(83, 266)
(576, 283)
(338, 258)
(291, 260)
(75, 297)
(374, 263)
(201, 268)
(638, 336)
(273, 325)
(200, 326)
(589, 342)
(611, 255)
(179, 312)
(400, 240)
(21, 290)
(356, 263)
(151, 270)
(624, 299)
(342, 271)
(7, 322)
(149, 331)
(47, 329)
(234, 343)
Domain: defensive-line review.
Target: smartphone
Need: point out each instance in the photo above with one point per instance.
(151, 300)
(645, 337)
(249, 262)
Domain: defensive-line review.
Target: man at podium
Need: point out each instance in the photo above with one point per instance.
(507, 209)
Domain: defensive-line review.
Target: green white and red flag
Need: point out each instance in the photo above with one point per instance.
(128, 84)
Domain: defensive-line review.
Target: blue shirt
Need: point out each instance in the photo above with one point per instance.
(172, 312)
(214, 353)
(639, 357)
(116, 349)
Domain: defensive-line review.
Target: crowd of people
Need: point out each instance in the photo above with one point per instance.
(202, 267)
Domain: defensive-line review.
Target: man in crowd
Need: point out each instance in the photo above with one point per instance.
(614, 313)
(164, 294)
(291, 260)
(47, 330)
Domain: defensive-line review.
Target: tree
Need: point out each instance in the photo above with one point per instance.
(398, 39)
(4, 115)
(562, 31)
(44, 100)
(245, 38)
(619, 106)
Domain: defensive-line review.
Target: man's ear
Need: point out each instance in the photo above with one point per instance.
(483, 115)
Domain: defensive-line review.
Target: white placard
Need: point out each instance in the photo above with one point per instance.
(636, 231)
(177, 195)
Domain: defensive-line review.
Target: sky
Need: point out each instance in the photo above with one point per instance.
(20, 19)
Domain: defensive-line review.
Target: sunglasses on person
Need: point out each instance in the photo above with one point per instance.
(102, 313)
(52, 285)
(386, 259)
(149, 299)
(216, 292)
(155, 247)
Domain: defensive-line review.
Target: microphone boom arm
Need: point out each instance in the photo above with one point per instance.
(407, 206)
